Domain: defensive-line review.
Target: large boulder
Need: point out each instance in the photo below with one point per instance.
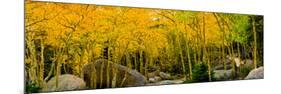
(256, 74)
(65, 82)
(105, 74)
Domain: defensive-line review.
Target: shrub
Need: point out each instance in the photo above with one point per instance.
(244, 71)
(32, 87)
(200, 73)
(152, 68)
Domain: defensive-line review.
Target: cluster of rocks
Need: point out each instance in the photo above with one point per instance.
(157, 76)
(162, 78)
(238, 63)
(221, 74)
(102, 71)
(257, 73)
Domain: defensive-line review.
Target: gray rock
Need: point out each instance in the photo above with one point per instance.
(222, 74)
(154, 79)
(167, 82)
(165, 76)
(157, 78)
(256, 74)
(153, 74)
(104, 74)
(65, 82)
(151, 80)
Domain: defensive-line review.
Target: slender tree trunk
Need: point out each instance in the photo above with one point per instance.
(41, 65)
(108, 68)
(209, 66)
(234, 62)
(255, 42)
(81, 62)
(141, 62)
(101, 74)
(58, 67)
(181, 56)
(239, 57)
(189, 64)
